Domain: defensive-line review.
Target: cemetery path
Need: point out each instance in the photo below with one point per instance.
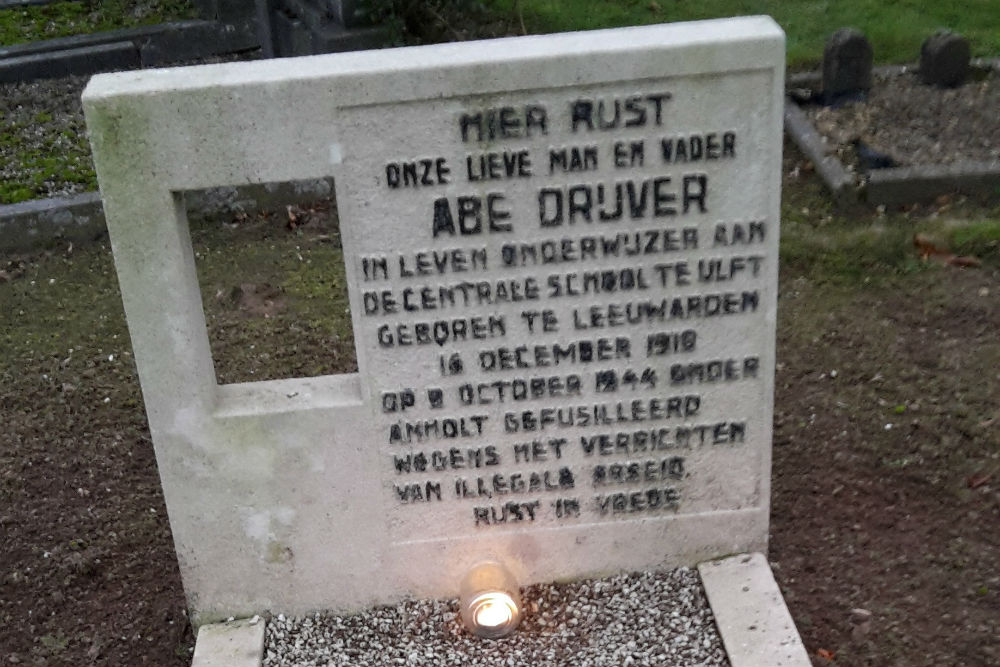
(886, 489)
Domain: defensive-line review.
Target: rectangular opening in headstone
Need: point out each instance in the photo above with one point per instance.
(270, 267)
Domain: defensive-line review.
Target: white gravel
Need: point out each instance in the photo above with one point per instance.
(646, 619)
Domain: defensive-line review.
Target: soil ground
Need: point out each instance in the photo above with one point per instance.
(886, 480)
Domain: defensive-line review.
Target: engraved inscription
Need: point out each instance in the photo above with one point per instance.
(562, 276)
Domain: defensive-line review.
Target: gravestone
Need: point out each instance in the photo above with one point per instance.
(562, 264)
(944, 59)
(847, 65)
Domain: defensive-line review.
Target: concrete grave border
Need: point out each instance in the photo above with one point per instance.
(753, 620)
(236, 643)
(888, 187)
(226, 27)
(750, 612)
(146, 46)
(33, 225)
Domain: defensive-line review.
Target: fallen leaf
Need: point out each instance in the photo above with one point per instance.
(977, 480)
(929, 250)
(925, 246)
(825, 655)
(964, 261)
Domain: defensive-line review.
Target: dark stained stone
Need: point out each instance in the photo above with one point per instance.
(847, 65)
(944, 59)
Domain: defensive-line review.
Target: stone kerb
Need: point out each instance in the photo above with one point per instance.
(527, 391)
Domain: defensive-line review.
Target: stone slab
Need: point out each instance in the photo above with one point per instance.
(345, 12)
(35, 224)
(188, 40)
(237, 643)
(906, 185)
(291, 36)
(837, 179)
(139, 33)
(265, 31)
(32, 225)
(127, 48)
(334, 38)
(67, 62)
(341, 492)
(750, 612)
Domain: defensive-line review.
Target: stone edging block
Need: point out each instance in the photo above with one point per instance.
(904, 185)
(838, 180)
(237, 643)
(69, 62)
(32, 225)
(145, 46)
(753, 620)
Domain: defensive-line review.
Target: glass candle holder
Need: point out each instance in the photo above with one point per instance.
(490, 601)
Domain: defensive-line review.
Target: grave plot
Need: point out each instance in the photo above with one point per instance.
(561, 260)
(900, 135)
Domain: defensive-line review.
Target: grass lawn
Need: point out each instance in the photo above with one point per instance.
(896, 28)
(61, 19)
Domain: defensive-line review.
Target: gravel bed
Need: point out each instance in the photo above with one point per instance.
(918, 124)
(43, 137)
(44, 151)
(653, 619)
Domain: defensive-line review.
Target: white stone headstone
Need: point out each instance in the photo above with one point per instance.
(562, 262)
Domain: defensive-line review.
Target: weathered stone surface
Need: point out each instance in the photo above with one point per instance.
(920, 183)
(238, 643)
(36, 224)
(562, 267)
(344, 11)
(82, 60)
(144, 46)
(847, 64)
(32, 225)
(944, 59)
(751, 614)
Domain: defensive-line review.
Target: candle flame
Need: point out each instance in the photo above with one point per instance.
(494, 609)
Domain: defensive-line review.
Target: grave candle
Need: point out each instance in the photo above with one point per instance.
(490, 602)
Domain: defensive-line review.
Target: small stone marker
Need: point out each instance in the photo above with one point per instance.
(562, 263)
(944, 59)
(847, 65)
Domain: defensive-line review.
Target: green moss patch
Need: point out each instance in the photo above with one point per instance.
(62, 19)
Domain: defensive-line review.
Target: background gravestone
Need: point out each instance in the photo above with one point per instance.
(562, 264)
(847, 64)
(944, 59)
